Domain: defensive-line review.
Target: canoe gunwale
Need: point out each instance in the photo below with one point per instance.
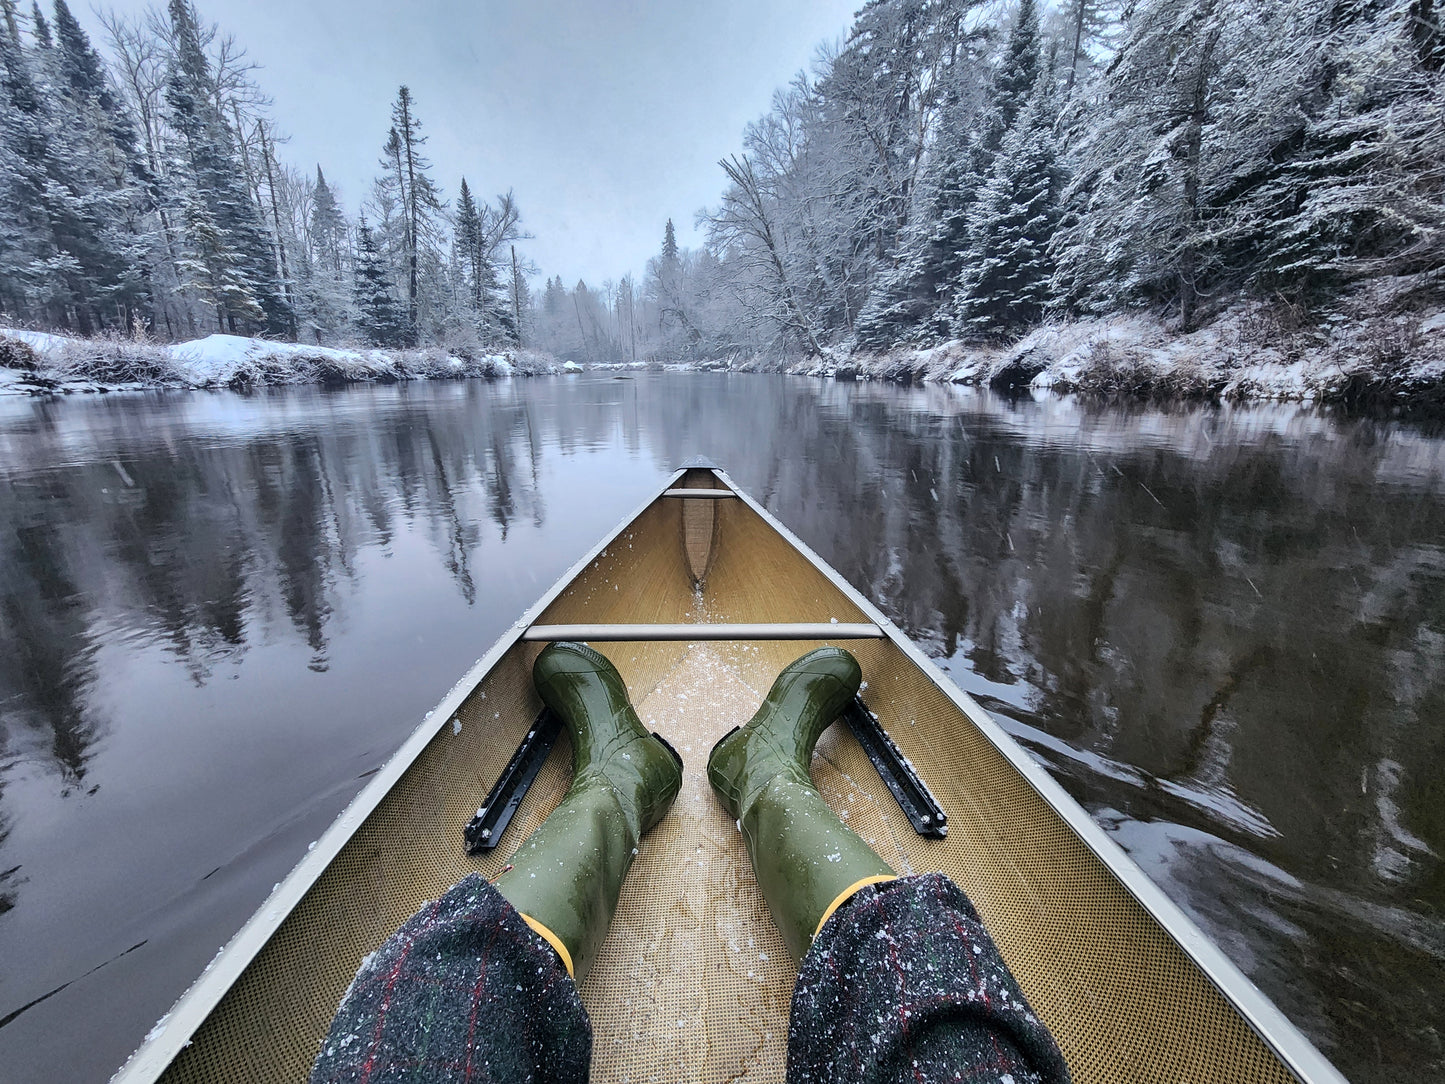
(1274, 1029)
(174, 1030)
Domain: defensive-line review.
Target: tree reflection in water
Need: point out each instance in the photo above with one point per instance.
(1223, 630)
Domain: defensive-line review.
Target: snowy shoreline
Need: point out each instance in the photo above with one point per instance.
(40, 363)
(1382, 361)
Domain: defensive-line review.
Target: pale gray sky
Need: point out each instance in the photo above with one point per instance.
(605, 117)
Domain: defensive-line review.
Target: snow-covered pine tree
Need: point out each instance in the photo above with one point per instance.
(214, 270)
(39, 27)
(211, 172)
(479, 285)
(666, 289)
(65, 256)
(907, 299)
(26, 243)
(327, 285)
(1015, 82)
(415, 228)
(669, 247)
(521, 298)
(110, 172)
(1004, 283)
(1135, 227)
(1355, 184)
(379, 317)
(327, 227)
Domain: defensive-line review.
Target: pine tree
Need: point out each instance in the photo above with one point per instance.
(1136, 226)
(910, 300)
(39, 26)
(110, 172)
(214, 270)
(419, 209)
(669, 247)
(65, 254)
(480, 279)
(26, 244)
(1004, 284)
(327, 281)
(1018, 74)
(915, 300)
(327, 227)
(1354, 185)
(379, 317)
(212, 173)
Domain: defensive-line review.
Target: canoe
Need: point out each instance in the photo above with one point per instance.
(700, 598)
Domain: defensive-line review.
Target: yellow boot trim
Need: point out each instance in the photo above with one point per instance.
(843, 896)
(555, 941)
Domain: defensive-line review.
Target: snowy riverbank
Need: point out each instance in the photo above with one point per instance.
(1244, 354)
(38, 363)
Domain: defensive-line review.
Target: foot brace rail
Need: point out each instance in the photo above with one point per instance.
(897, 772)
(484, 831)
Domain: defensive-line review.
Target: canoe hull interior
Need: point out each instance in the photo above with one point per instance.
(694, 982)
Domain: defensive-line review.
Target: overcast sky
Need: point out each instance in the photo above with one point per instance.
(605, 117)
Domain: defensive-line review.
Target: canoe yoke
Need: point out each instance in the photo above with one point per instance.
(485, 830)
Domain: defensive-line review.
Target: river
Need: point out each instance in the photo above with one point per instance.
(1221, 628)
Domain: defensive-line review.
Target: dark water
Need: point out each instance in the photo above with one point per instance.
(1223, 630)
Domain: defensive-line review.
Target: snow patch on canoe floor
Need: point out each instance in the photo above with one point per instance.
(40, 363)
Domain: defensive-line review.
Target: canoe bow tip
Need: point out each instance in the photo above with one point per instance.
(700, 462)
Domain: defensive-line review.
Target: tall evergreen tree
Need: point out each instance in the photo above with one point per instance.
(234, 236)
(480, 279)
(65, 256)
(669, 247)
(1136, 223)
(908, 298)
(327, 227)
(419, 209)
(39, 26)
(379, 317)
(110, 169)
(327, 286)
(1004, 282)
(26, 242)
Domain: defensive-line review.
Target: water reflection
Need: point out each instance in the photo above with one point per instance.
(1223, 630)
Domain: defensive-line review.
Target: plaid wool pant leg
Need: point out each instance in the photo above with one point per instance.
(905, 984)
(464, 993)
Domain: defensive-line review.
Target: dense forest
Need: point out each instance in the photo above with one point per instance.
(144, 194)
(951, 170)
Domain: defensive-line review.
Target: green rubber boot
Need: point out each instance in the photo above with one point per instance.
(806, 860)
(567, 875)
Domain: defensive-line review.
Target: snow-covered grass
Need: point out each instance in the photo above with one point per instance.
(37, 362)
(1250, 351)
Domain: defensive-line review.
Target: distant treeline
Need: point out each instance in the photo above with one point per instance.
(952, 172)
(143, 192)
